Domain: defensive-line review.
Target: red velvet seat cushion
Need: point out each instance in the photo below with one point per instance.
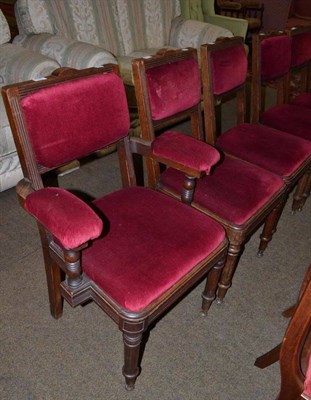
(152, 242)
(235, 191)
(73, 119)
(68, 218)
(289, 118)
(173, 87)
(276, 151)
(303, 100)
(185, 150)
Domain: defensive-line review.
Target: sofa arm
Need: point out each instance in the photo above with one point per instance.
(67, 52)
(18, 64)
(237, 26)
(191, 33)
(67, 217)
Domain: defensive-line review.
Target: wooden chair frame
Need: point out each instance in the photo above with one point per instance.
(282, 85)
(237, 235)
(77, 288)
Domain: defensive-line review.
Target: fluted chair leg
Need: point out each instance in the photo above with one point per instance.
(132, 346)
(224, 284)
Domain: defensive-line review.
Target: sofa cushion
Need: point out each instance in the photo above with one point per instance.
(92, 21)
(153, 19)
(67, 52)
(18, 64)
(34, 16)
(5, 34)
(190, 33)
(10, 171)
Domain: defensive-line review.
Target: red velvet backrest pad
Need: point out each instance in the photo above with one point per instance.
(73, 119)
(275, 56)
(301, 48)
(173, 87)
(229, 68)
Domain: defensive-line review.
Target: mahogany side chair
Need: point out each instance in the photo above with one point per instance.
(251, 10)
(239, 195)
(224, 73)
(294, 353)
(301, 65)
(135, 252)
(272, 55)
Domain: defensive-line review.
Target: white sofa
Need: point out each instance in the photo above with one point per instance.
(83, 33)
(16, 64)
(87, 33)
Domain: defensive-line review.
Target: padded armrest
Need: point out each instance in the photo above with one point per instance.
(19, 64)
(185, 151)
(67, 52)
(67, 217)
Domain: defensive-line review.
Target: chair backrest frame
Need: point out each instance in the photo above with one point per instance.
(211, 100)
(280, 83)
(149, 126)
(302, 67)
(13, 96)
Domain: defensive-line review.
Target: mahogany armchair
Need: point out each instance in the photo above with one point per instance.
(135, 252)
(237, 194)
(224, 72)
(271, 63)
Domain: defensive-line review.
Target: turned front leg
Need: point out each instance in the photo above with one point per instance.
(188, 189)
(270, 225)
(209, 293)
(234, 252)
(132, 338)
(302, 192)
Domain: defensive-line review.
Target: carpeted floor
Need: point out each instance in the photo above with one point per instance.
(80, 356)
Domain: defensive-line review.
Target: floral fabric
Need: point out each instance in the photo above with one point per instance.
(5, 35)
(16, 64)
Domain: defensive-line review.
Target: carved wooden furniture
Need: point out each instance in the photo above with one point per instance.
(250, 10)
(224, 73)
(135, 251)
(237, 194)
(295, 350)
(271, 62)
(301, 66)
(299, 13)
